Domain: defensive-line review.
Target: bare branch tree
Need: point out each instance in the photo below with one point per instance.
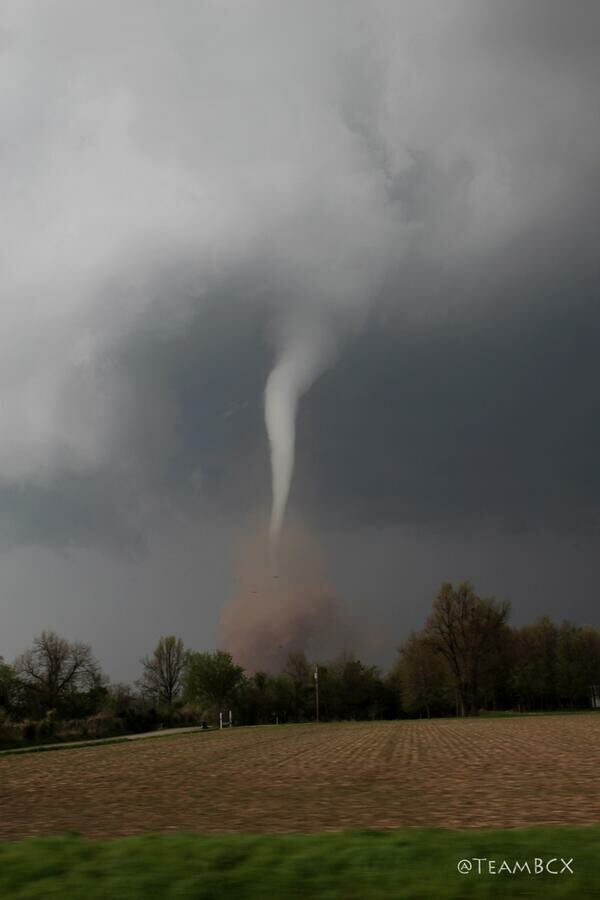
(464, 628)
(163, 671)
(53, 666)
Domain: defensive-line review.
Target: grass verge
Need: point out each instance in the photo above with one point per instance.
(65, 745)
(48, 746)
(406, 864)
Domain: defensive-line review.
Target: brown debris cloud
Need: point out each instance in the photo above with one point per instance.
(281, 603)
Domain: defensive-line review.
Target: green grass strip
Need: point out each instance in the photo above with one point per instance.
(67, 745)
(363, 865)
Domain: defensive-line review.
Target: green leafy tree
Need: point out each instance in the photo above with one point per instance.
(212, 679)
(534, 664)
(301, 675)
(351, 689)
(569, 669)
(589, 655)
(285, 696)
(577, 663)
(424, 677)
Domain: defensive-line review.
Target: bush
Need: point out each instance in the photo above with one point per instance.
(30, 731)
(104, 725)
(45, 728)
(139, 720)
(190, 714)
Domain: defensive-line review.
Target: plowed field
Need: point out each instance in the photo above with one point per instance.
(472, 773)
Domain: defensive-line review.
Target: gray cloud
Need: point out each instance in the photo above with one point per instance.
(157, 156)
(184, 183)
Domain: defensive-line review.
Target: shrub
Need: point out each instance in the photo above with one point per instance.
(45, 728)
(139, 720)
(30, 731)
(191, 714)
(104, 725)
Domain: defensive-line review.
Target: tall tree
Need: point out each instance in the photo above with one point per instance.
(301, 675)
(424, 677)
(52, 668)
(212, 678)
(9, 687)
(534, 665)
(464, 628)
(355, 689)
(164, 670)
(577, 663)
(589, 651)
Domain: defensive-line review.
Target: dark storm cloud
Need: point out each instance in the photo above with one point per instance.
(190, 436)
(496, 421)
(471, 132)
(486, 416)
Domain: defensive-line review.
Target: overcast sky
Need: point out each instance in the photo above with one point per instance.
(185, 185)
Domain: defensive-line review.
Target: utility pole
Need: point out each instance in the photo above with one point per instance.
(317, 691)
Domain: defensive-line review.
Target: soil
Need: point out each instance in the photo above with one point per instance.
(450, 773)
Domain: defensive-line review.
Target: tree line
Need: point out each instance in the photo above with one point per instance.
(467, 658)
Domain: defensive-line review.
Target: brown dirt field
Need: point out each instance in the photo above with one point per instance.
(472, 773)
